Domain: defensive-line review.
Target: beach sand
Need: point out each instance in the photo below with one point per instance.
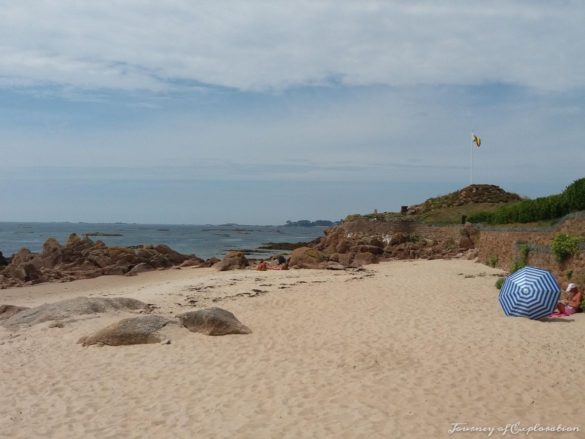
(400, 350)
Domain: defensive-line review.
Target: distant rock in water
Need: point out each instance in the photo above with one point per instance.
(307, 223)
(282, 245)
(70, 308)
(102, 234)
(213, 321)
(137, 330)
(82, 258)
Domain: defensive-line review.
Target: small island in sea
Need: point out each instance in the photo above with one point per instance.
(307, 223)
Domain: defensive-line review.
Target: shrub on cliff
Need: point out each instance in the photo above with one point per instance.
(564, 246)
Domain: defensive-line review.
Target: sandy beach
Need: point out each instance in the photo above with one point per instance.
(398, 350)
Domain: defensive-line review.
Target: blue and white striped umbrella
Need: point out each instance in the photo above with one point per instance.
(530, 292)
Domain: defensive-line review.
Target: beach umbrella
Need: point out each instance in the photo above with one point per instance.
(530, 292)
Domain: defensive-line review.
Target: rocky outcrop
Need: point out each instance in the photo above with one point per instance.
(137, 330)
(363, 241)
(213, 321)
(71, 308)
(469, 237)
(82, 258)
(472, 194)
(233, 261)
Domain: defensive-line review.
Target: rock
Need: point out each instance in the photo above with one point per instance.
(52, 253)
(365, 258)
(3, 261)
(81, 258)
(136, 330)
(27, 272)
(65, 309)
(140, 268)
(331, 265)
(213, 321)
(232, 261)
(469, 237)
(191, 263)
(398, 238)
(57, 325)
(343, 246)
(116, 270)
(7, 311)
(370, 249)
(346, 259)
(170, 255)
(306, 257)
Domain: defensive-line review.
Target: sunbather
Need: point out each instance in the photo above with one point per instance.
(575, 299)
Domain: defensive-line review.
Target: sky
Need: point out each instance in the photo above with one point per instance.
(258, 112)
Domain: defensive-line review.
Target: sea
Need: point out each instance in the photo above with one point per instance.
(205, 241)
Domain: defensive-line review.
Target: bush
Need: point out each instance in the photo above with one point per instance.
(500, 282)
(517, 265)
(572, 199)
(564, 246)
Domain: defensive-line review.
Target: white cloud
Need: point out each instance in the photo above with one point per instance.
(259, 45)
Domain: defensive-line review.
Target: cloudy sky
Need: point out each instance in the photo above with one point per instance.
(262, 111)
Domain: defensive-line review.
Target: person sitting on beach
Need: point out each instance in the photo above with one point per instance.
(281, 264)
(262, 266)
(575, 299)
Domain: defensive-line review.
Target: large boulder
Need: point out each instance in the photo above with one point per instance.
(139, 268)
(52, 253)
(213, 321)
(66, 309)
(7, 311)
(27, 272)
(233, 261)
(364, 258)
(306, 257)
(137, 330)
(469, 237)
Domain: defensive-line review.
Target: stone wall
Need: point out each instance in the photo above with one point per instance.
(503, 246)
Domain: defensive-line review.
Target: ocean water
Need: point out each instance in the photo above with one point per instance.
(204, 241)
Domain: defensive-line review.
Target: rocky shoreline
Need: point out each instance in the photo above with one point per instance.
(350, 244)
(83, 258)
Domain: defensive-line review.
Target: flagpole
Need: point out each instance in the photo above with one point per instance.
(471, 161)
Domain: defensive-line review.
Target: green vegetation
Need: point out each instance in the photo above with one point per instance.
(517, 265)
(492, 261)
(572, 199)
(500, 282)
(564, 246)
(453, 214)
(522, 260)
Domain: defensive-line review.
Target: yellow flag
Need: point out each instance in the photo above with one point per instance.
(476, 140)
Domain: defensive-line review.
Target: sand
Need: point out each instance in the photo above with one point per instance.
(401, 350)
